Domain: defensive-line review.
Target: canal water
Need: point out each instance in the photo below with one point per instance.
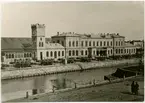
(12, 89)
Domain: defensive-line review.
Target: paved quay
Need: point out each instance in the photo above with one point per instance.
(110, 92)
(51, 69)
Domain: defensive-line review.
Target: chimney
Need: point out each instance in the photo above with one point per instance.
(57, 33)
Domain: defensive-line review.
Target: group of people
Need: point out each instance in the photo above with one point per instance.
(134, 88)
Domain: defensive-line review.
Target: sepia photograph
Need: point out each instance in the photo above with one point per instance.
(72, 51)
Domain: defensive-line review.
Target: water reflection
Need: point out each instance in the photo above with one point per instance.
(41, 84)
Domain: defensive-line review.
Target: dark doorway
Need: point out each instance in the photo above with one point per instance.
(41, 55)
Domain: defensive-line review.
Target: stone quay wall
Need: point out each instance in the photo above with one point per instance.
(53, 69)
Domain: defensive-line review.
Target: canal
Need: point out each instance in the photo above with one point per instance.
(16, 88)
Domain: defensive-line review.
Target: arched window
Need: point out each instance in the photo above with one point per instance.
(42, 44)
(104, 43)
(111, 43)
(100, 43)
(12, 55)
(93, 43)
(108, 51)
(73, 43)
(82, 52)
(55, 54)
(69, 43)
(97, 43)
(58, 53)
(97, 52)
(51, 53)
(47, 54)
(30, 55)
(27, 54)
(86, 43)
(76, 52)
(86, 52)
(76, 43)
(73, 52)
(69, 53)
(94, 52)
(90, 43)
(9, 55)
(82, 43)
(62, 53)
(107, 43)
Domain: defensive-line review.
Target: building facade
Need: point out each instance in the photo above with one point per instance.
(64, 45)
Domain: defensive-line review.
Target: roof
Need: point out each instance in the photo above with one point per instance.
(99, 35)
(53, 45)
(127, 44)
(12, 43)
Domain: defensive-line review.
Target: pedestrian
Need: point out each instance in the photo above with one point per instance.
(136, 88)
(132, 88)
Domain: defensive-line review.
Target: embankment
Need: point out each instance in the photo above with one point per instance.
(46, 70)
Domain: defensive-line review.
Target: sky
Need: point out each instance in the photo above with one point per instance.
(123, 17)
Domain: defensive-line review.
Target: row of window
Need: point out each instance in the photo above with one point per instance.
(73, 43)
(97, 43)
(55, 53)
(119, 43)
(73, 53)
(22, 55)
(120, 51)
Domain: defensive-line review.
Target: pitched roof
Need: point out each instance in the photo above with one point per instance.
(53, 45)
(13, 43)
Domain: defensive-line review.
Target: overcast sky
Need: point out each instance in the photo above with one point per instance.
(126, 18)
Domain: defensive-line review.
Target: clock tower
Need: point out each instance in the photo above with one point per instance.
(38, 40)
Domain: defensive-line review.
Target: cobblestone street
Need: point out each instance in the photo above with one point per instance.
(110, 92)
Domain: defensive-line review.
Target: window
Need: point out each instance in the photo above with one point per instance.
(73, 52)
(82, 43)
(90, 43)
(51, 53)
(86, 52)
(27, 54)
(97, 43)
(97, 52)
(58, 53)
(76, 43)
(39, 44)
(57, 41)
(116, 43)
(100, 43)
(111, 43)
(12, 55)
(73, 44)
(82, 52)
(86, 43)
(69, 53)
(69, 43)
(124, 50)
(47, 54)
(94, 52)
(104, 43)
(93, 43)
(7, 56)
(62, 53)
(40, 38)
(107, 43)
(116, 51)
(111, 51)
(121, 50)
(108, 52)
(30, 55)
(42, 44)
(76, 52)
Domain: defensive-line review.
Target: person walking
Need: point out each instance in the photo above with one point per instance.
(133, 88)
(136, 88)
